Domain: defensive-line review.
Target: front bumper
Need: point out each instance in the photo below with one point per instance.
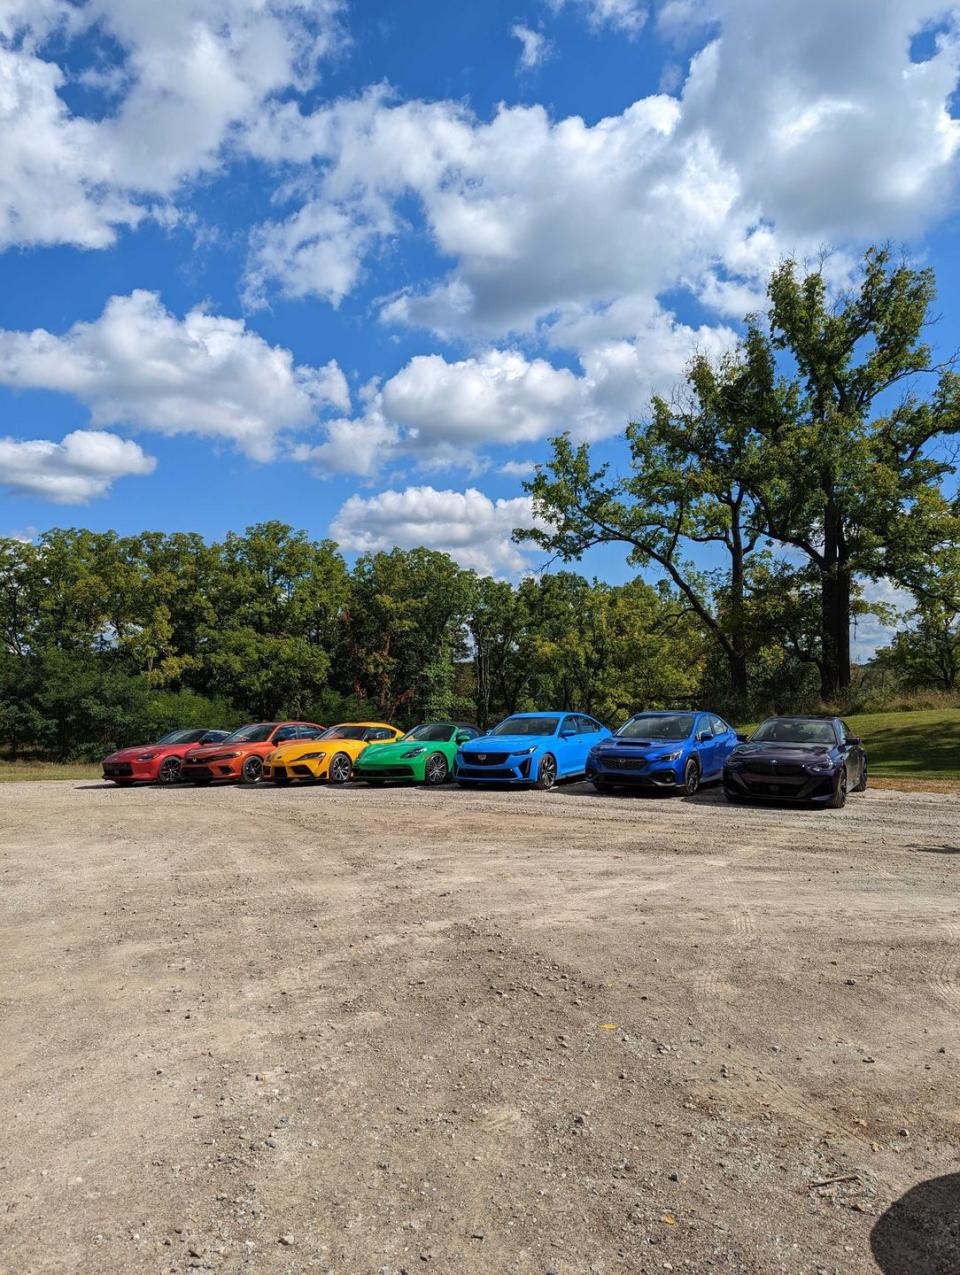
(307, 771)
(802, 787)
(398, 770)
(498, 768)
(140, 772)
(639, 772)
(191, 771)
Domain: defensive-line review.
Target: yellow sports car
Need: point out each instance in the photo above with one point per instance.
(330, 755)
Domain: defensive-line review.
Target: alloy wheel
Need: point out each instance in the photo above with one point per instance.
(252, 770)
(436, 768)
(169, 772)
(547, 774)
(340, 769)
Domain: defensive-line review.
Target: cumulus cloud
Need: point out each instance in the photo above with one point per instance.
(192, 72)
(625, 16)
(533, 46)
(139, 365)
(468, 525)
(84, 465)
(777, 141)
(442, 414)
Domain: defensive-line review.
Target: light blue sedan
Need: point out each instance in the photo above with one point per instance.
(530, 748)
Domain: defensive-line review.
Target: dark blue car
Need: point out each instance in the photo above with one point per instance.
(673, 749)
(816, 759)
(530, 748)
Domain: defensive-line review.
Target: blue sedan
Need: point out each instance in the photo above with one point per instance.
(672, 750)
(530, 748)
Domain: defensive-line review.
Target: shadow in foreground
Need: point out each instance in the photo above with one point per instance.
(920, 1233)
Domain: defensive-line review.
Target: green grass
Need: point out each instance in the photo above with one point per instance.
(10, 770)
(918, 744)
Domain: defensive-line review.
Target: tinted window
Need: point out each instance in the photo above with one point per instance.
(718, 726)
(380, 732)
(344, 732)
(212, 736)
(258, 734)
(182, 737)
(526, 726)
(794, 730)
(431, 732)
(657, 726)
(586, 725)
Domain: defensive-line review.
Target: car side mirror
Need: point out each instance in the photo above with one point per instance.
(853, 739)
(462, 736)
(705, 737)
(567, 733)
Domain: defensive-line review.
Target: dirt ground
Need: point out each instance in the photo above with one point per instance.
(393, 1031)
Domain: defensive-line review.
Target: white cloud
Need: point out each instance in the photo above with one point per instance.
(84, 465)
(534, 48)
(869, 631)
(468, 525)
(625, 16)
(442, 414)
(192, 72)
(139, 365)
(801, 124)
(518, 468)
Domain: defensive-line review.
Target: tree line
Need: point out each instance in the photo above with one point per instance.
(814, 458)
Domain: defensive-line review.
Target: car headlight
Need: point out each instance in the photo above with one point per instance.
(671, 756)
(819, 767)
(414, 752)
(524, 752)
(146, 757)
(311, 756)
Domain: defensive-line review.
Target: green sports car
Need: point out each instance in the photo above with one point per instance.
(424, 755)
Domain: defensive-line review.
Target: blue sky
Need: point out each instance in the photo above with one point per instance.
(350, 265)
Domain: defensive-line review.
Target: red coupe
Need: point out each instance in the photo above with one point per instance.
(240, 755)
(159, 762)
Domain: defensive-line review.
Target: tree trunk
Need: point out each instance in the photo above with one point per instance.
(835, 589)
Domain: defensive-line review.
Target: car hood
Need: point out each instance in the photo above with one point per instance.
(781, 752)
(639, 747)
(300, 747)
(140, 750)
(202, 751)
(505, 743)
(397, 747)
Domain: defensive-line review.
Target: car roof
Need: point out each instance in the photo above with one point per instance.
(669, 712)
(385, 725)
(546, 712)
(801, 717)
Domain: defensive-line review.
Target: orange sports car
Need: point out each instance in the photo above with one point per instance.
(330, 756)
(240, 755)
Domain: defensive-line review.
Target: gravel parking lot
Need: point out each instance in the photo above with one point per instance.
(382, 1031)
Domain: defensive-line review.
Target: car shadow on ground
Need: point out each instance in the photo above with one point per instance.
(919, 1234)
(937, 850)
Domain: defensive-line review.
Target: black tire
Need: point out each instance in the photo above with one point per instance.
(251, 772)
(435, 770)
(340, 769)
(839, 798)
(282, 781)
(546, 773)
(691, 777)
(169, 772)
(861, 784)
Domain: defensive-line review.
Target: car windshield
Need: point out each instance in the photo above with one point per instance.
(431, 732)
(526, 726)
(182, 737)
(258, 734)
(792, 730)
(657, 726)
(345, 732)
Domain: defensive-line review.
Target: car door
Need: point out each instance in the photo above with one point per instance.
(708, 748)
(855, 754)
(726, 738)
(567, 746)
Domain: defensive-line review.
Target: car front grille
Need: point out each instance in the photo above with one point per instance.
(485, 772)
(624, 763)
(385, 772)
(197, 772)
(778, 768)
(118, 768)
(486, 759)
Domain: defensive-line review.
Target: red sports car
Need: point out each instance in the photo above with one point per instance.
(240, 755)
(159, 762)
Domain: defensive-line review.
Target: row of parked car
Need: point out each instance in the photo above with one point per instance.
(815, 759)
